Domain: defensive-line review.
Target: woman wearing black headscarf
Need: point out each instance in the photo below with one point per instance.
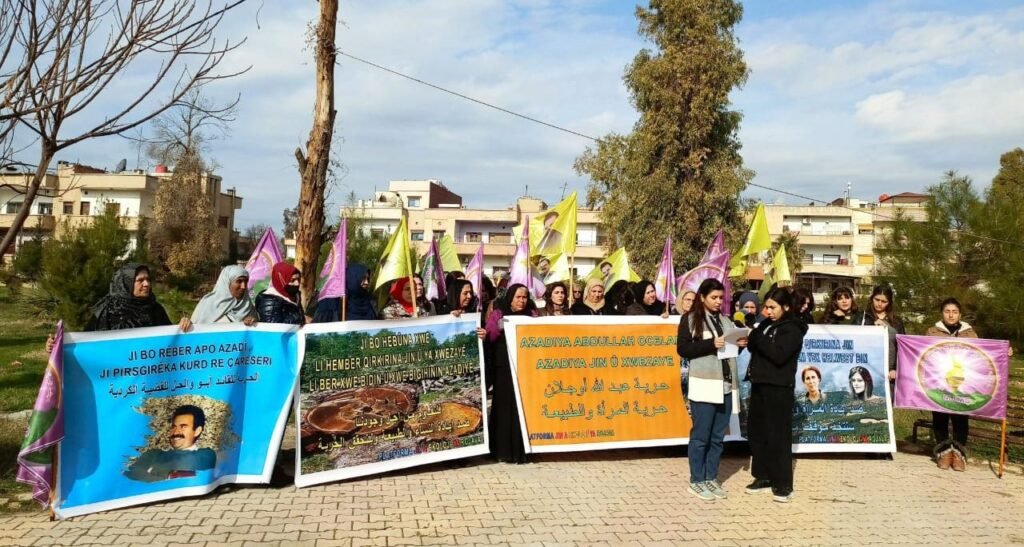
(358, 301)
(130, 304)
(460, 297)
(506, 436)
(645, 300)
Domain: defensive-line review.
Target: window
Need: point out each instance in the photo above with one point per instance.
(499, 237)
(438, 234)
(112, 208)
(474, 237)
(45, 208)
(69, 207)
(417, 235)
(83, 209)
(13, 207)
(376, 232)
(222, 222)
(414, 201)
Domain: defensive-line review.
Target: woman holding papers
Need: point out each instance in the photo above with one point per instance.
(713, 382)
(774, 348)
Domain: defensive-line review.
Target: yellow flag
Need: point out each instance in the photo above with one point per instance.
(757, 240)
(552, 268)
(766, 286)
(554, 231)
(449, 259)
(780, 266)
(396, 261)
(614, 268)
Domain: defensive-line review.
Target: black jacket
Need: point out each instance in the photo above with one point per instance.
(867, 318)
(274, 309)
(579, 308)
(774, 350)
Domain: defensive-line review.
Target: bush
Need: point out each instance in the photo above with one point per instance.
(28, 263)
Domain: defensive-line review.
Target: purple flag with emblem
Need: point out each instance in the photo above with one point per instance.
(475, 274)
(952, 375)
(665, 281)
(433, 273)
(264, 256)
(716, 268)
(45, 428)
(716, 247)
(332, 277)
(520, 270)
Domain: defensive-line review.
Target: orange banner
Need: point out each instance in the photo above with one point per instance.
(592, 386)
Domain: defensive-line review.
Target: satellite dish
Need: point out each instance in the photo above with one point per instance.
(121, 165)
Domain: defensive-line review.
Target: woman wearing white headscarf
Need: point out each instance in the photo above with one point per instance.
(229, 300)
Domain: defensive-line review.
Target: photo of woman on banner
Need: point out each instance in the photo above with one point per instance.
(811, 377)
(864, 404)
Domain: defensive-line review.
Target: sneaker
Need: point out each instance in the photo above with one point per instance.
(716, 489)
(700, 490)
(782, 497)
(759, 486)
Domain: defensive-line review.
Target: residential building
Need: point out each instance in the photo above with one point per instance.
(76, 193)
(838, 239)
(436, 211)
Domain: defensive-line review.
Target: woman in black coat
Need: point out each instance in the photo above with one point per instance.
(280, 302)
(774, 348)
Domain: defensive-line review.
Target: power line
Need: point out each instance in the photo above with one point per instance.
(578, 134)
(467, 97)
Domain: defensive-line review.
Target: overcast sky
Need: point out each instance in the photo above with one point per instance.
(885, 95)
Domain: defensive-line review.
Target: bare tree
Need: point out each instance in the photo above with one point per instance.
(61, 60)
(188, 128)
(314, 164)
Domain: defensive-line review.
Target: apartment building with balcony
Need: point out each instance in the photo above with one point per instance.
(838, 239)
(436, 211)
(78, 193)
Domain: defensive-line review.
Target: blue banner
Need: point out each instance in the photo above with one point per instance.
(154, 414)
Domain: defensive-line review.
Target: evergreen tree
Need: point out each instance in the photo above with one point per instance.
(679, 173)
(928, 261)
(79, 263)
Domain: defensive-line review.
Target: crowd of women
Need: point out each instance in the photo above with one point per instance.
(774, 338)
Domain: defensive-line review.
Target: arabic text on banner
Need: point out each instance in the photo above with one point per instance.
(953, 375)
(841, 389)
(375, 396)
(154, 414)
(597, 383)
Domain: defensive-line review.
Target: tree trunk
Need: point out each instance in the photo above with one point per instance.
(45, 157)
(313, 166)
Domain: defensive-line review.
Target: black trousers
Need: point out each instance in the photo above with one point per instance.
(940, 427)
(770, 432)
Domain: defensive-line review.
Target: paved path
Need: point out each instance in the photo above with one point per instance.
(612, 498)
